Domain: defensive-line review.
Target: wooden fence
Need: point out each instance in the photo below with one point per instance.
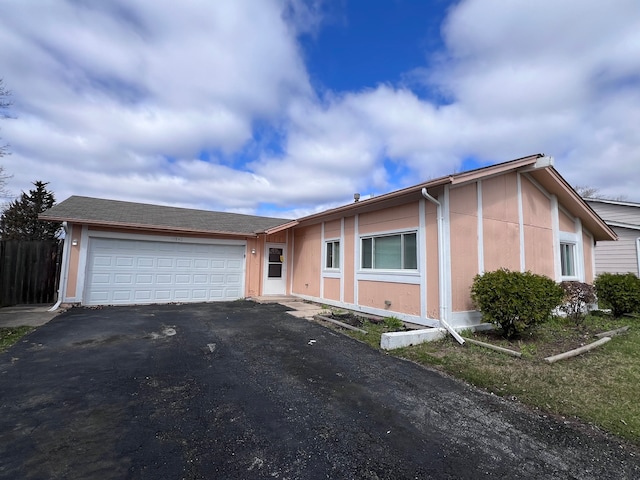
(29, 271)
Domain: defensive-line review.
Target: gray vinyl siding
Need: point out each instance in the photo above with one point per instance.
(617, 213)
(620, 256)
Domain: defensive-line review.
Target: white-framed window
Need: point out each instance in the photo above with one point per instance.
(389, 252)
(568, 259)
(332, 254)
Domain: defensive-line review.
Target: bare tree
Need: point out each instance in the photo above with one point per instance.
(5, 103)
(586, 191)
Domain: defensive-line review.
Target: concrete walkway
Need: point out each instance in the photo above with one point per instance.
(26, 315)
(299, 307)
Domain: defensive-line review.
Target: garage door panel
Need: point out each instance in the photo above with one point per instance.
(164, 262)
(136, 271)
(126, 279)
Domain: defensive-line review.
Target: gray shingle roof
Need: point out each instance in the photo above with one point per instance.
(97, 211)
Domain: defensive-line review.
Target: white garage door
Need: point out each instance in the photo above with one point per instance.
(130, 272)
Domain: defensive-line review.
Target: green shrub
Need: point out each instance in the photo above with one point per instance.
(618, 291)
(515, 301)
(393, 323)
(577, 299)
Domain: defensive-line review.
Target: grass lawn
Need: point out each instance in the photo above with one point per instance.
(9, 336)
(601, 387)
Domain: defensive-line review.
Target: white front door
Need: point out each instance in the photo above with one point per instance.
(275, 269)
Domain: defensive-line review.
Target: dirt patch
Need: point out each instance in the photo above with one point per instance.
(544, 342)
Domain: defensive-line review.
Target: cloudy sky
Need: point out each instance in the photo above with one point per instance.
(284, 107)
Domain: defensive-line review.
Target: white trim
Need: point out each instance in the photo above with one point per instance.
(637, 256)
(161, 238)
(341, 268)
(555, 226)
(323, 260)
(384, 233)
(480, 229)
(523, 264)
(331, 274)
(421, 253)
(445, 285)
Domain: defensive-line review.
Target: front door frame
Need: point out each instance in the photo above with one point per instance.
(270, 285)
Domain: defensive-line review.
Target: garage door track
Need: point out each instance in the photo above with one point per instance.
(242, 390)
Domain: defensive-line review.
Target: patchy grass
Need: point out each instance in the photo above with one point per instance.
(9, 336)
(600, 387)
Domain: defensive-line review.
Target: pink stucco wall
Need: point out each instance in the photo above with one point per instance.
(74, 260)
(463, 214)
(538, 230)
(332, 229)
(433, 279)
(332, 288)
(501, 228)
(404, 297)
(394, 218)
(348, 260)
(306, 260)
(567, 224)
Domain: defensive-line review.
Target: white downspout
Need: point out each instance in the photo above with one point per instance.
(63, 270)
(441, 264)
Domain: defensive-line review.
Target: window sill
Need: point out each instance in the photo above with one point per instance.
(391, 276)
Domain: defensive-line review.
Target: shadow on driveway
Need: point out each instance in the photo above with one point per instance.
(239, 390)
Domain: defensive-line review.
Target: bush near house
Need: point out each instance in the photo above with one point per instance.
(618, 291)
(515, 301)
(577, 299)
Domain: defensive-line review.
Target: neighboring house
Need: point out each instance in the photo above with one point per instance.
(411, 253)
(622, 256)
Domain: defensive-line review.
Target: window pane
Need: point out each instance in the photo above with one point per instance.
(367, 253)
(275, 270)
(387, 252)
(275, 255)
(336, 254)
(410, 251)
(329, 261)
(567, 259)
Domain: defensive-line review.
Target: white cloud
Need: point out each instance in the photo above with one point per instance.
(118, 99)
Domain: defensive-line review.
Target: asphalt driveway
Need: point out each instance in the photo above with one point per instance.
(242, 390)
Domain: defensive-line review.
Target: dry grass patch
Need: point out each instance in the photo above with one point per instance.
(9, 336)
(600, 387)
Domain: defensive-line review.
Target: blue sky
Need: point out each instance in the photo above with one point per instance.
(286, 107)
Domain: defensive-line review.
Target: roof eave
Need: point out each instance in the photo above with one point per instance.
(142, 226)
(575, 204)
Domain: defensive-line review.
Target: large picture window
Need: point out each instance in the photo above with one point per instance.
(390, 252)
(332, 258)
